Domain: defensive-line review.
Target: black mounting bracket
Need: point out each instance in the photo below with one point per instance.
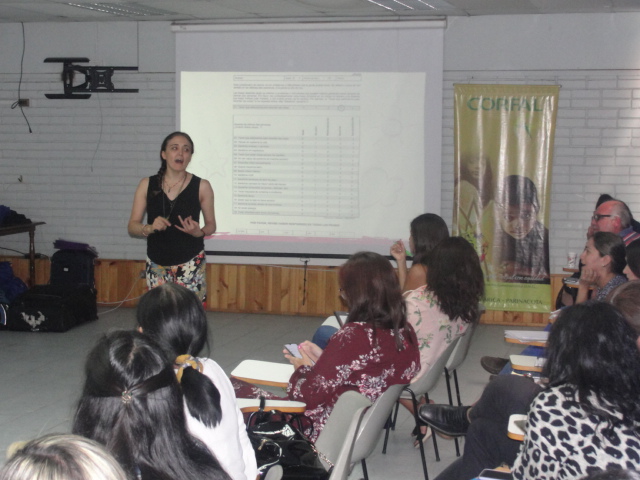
(96, 79)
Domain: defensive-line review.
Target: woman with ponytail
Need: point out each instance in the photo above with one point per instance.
(174, 318)
(131, 403)
(173, 200)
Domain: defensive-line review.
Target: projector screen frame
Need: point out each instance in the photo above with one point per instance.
(432, 145)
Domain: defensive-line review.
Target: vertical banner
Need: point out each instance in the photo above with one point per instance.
(503, 148)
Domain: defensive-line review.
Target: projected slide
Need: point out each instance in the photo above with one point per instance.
(334, 159)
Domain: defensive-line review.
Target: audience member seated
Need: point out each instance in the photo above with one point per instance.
(375, 349)
(174, 317)
(62, 457)
(604, 260)
(426, 231)
(485, 423)
(589, 417)
(614, 216)
(632, 270)
(442, 310)
(132, 404)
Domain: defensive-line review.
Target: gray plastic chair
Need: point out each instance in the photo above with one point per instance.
(374, 422)
(342, 466)
(331, 441)
(423, 386)
(455, 360)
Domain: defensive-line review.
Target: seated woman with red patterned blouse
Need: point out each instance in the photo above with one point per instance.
(375, 349)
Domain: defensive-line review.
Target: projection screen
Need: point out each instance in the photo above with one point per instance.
(319, 140)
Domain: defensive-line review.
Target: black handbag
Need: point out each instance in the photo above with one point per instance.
(277, 440)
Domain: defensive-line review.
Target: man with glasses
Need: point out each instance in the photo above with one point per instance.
(613, 216)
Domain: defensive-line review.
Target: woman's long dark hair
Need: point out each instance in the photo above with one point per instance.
(455, 277)
(174, 317)
(633, 257)
(370, 287)
(163, 147)
(593, 348)
(131, 403)
(427, 230)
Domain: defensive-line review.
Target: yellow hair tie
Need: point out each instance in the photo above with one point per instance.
(184, 361)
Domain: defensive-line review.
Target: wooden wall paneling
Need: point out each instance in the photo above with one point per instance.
(252, 288)
(222, 288)
(283, 294)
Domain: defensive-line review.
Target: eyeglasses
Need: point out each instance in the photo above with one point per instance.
(597, 216)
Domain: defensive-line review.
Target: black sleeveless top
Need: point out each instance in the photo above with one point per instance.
(171, 246)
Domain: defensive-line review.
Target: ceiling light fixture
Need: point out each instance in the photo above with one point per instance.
(123, 9)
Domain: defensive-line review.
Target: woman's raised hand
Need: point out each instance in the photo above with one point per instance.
(588, 277)
(398, 251)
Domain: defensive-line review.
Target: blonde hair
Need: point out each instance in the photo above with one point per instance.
(62, 457)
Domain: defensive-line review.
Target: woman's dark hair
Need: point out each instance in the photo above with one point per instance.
(518, 190)
(455, 277)
(370, 287)
(174, 317)
(165, 142)
(626, 298)
(608, 243)
(593, 348)
(132, 404)
(427, 230)
(633, 257)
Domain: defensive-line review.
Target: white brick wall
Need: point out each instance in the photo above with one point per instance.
(81, 164)
(84, 159)
(597, 146)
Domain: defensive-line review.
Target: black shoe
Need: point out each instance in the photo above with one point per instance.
(493, 365)
(445, 419)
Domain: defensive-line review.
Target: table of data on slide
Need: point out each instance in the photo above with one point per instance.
(300, 165)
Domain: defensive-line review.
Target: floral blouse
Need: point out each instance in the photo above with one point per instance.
(434, 329)
(357, 358)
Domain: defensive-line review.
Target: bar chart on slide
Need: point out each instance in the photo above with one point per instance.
(301, 165)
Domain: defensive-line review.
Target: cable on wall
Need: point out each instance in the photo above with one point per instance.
(17, 102)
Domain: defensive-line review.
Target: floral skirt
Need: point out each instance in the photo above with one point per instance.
(191, 275)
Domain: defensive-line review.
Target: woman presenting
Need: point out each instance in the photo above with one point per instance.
(173, 200)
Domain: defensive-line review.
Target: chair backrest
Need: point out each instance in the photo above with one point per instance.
(373, 423)
(462, 348)
(428, 381)
(342, 466)
(332, 438)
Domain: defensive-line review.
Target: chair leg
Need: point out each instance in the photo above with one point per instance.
(364, 469)
(395, 415)
(433, 437)
(387, 426)
(419, 436)
(448, 379)
(455, 381)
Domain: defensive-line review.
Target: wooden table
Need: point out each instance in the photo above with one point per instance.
(31, 229)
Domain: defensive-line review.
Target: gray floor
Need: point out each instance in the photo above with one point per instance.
(42, 375)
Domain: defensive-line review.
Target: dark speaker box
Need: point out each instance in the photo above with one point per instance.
(52, 308)
(72, 267)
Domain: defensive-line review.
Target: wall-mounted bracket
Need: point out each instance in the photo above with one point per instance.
(96, 79)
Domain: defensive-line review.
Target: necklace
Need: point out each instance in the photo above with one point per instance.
(172, 203)
(183, 179)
